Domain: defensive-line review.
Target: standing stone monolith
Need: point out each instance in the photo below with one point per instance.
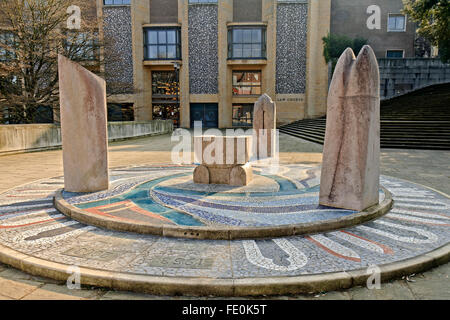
(83, 128)
(264, 126)
(351, 157)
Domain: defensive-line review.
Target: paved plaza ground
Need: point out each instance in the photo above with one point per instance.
(430, 168)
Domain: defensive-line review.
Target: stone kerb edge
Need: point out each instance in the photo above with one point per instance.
(222, 287)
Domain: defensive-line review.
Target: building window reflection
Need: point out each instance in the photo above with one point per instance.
(162, 44)
(243, 115)
(120, 112)
(396, 23)
(165, 96)
(247, 43)
(247, 83)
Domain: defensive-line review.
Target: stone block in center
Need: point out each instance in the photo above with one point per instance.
(223, 160)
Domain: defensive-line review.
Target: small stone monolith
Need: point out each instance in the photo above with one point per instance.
(83, 128)
(264, 125)
(351, 157)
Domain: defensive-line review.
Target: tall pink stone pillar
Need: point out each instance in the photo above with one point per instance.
(264, 125)
(83, 127)
(351, 157)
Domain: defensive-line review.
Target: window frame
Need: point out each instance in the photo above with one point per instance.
(398, 50)
(174, 85)
(397, 15)
(5, 54)
(246, 86)
(202, 1)
(238, 120)
(177, 44)
(117, 4)
(126, 109)
(91, 46)
(232, 43)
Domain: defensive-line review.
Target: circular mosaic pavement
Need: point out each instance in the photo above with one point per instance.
(284, 204)
(39, 239)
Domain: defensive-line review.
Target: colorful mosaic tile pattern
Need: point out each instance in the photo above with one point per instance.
(290, 197)
(418, 223)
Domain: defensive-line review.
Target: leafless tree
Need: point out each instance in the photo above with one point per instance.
(34, 32)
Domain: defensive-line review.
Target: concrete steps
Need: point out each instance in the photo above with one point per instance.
(420, 120)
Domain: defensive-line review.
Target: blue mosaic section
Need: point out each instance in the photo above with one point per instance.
(294, 202)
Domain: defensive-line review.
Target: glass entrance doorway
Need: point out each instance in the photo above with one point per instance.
(167, 112)
(207, 113)
(166, 96)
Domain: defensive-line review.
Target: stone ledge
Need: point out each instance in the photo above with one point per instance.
(223, 233)
(18, 139)
(222, 287)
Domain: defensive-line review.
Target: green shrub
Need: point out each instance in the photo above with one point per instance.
(335, 45)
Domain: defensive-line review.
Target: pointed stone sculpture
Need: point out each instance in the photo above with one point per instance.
(83, 128)
(264, 125)
(351, 157)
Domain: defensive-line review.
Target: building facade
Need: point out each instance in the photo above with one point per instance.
(381, 22)
(210, 60)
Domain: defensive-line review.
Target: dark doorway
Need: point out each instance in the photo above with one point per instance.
(207, 113)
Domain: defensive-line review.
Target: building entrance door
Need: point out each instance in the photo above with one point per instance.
(207, 113)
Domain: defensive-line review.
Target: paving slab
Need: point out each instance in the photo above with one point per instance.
(388, 291)
(430, 285)
(62, 292)
(15, 289)
(124, 295)
(14, 274)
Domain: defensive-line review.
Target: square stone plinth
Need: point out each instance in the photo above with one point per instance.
(223, 160)
(219, 150)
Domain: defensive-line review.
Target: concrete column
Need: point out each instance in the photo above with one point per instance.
(269, 15)
(225, 73)
(319, 15)
(183, 18)
(140, 15)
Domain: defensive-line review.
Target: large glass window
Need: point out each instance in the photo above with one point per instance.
(396, 22)
(116, 2)
(202, 1)
(167, 112)
(243, 115)
(6, 45)
(165, 96)
(246, 83)
(394, 53)
(120, 112)
(165, 84)
(82, 46)
(162, 44)
(247, 43)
